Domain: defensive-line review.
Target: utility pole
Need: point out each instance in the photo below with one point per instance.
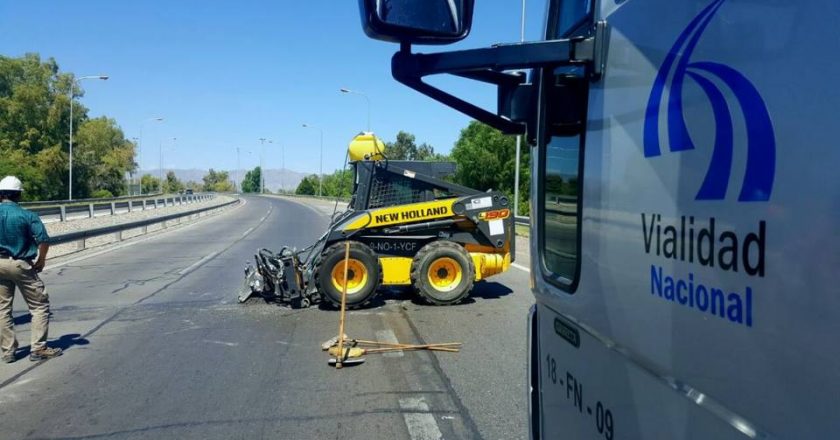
(140, 150)
(262, 169)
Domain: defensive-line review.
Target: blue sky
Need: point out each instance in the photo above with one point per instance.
(224, 74)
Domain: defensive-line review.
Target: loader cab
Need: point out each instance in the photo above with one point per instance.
(380, 182)
(683, 208)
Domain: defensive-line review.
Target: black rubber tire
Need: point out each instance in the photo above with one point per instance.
(420, 266)
(334, 255)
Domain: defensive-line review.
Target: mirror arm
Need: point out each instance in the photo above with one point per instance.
(474, 111)
(488, 65)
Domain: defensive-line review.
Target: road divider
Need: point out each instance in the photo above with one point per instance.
(118, 230)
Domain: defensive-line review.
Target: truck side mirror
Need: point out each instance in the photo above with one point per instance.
(417, 21)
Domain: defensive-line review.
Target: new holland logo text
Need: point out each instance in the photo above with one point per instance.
(761, 144)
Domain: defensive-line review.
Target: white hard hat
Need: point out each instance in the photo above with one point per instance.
(11, 183)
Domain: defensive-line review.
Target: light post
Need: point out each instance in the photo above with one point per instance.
(262, 170)
(238, 170)
(518, 137)
(282, 166)
(130, 174)
(160, 172)
(72, 94)
(321, 165)
(345, 90)
(140, 149)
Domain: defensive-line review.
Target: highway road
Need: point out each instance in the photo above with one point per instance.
(158, 347)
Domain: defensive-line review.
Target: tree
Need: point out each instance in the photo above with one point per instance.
(308, 186)
(101, 158)
(34, 122)
(149, 184)
(217, 181)
(338, 184)
(486, 158)
(251, 182)
(172, 184)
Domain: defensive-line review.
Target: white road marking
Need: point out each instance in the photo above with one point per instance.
(420, 423)
(520, 267)
(197, 263)
(389, 336)
(247, 232)
(229, 344)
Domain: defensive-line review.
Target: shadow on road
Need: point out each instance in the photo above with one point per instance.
(63, 342)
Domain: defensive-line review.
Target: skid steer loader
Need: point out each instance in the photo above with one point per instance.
(406, 226)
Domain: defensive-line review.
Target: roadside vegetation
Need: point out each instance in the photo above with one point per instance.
(484, 158)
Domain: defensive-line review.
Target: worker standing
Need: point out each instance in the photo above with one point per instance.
(22, 239)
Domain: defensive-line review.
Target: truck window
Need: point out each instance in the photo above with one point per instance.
(559, 216)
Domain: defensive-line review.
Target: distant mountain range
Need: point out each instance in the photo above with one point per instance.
(274, 178)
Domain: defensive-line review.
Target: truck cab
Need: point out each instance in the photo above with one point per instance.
(684, 208)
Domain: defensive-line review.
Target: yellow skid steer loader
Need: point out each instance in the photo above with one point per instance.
(406, 226)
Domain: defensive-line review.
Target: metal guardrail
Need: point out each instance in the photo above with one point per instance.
(75, 209)
(522, 220)
(117, 230)
(41, 203)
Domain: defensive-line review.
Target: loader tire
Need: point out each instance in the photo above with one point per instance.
(363, 275)
(442, 273)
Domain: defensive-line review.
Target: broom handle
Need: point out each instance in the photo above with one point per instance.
(343, 300)
(400, 344)
(388, 349)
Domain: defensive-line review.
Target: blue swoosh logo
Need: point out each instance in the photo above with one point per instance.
(761, 142)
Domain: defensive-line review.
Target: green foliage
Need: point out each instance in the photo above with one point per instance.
(149, 184)
(217, 181)
(338, 184)
(308, 186)
(251, 182)
(34, 134)
(405, 148)
(101, 194)
(172, 184)
(486, 159)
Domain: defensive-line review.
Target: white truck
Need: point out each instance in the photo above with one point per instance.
(685, 211)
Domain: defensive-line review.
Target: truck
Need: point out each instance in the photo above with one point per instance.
(685, 207)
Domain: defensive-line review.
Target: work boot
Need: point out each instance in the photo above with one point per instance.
(44, 354)
(9, 358)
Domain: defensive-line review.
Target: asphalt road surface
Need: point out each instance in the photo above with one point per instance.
(158, 347)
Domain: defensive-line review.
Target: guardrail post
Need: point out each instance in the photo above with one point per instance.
(81, 245)
(118, 235)
(156, 206)
(113, 208)
(62, 215)
(90, 210)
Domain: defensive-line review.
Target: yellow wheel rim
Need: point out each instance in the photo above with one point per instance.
(357, 276)
(445, 274)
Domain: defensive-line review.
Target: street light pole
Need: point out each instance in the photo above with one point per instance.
(140, 150)
(321, 165)
(262, 170)
(345, 90)
(160, 172)
(73, 85)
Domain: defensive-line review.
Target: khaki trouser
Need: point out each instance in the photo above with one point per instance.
(20, 273)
